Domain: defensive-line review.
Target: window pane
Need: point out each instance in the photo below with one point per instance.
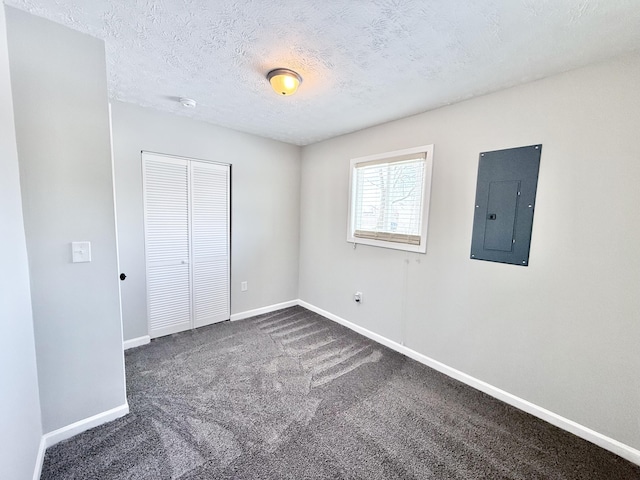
(389, 197)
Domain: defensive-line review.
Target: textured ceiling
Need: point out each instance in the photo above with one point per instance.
(363, 62)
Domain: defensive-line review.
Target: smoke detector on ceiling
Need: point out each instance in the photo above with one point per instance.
(188, 102)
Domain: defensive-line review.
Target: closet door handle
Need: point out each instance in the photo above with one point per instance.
(122, 276)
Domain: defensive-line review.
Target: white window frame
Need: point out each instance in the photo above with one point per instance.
(426, 196)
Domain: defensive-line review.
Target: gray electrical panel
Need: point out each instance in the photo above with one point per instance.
(505, 201)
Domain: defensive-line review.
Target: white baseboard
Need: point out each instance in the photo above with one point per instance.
(37, 471)
(260, 311)
(136, 342)
(619, 448)
(80, 426)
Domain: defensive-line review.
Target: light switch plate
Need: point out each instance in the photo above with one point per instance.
(81, 252)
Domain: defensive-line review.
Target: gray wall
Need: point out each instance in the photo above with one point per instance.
(62, 129)
(265, 208)
(562, 333)
(19, 403)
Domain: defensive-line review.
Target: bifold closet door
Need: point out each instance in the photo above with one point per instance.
(187, 229)
(210, 242)
(166, 196)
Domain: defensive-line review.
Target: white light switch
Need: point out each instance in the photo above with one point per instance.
(81, 252)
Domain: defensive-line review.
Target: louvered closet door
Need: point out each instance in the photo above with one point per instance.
(166, 195)
(210, 242)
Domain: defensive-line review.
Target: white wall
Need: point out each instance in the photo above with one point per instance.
(19, 402)
(62, 129)
(265, 205)
(562, 333)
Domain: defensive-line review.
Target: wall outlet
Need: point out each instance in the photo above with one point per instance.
(243, 286)
(357, 297)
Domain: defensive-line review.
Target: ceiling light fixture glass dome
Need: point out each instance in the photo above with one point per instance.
(284, 81)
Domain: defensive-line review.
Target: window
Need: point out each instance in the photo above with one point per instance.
(389, 199)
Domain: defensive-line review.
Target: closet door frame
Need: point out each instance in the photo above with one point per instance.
(188, 160)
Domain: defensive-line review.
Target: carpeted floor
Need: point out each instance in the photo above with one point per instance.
(292, 395)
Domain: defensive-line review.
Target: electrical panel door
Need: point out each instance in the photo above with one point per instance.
(505, 201)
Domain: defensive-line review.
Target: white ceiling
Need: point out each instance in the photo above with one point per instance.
(363, 62)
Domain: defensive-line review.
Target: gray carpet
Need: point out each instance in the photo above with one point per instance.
(292, 395)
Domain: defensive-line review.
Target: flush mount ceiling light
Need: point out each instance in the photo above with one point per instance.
(188, 102)
(284, 81)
